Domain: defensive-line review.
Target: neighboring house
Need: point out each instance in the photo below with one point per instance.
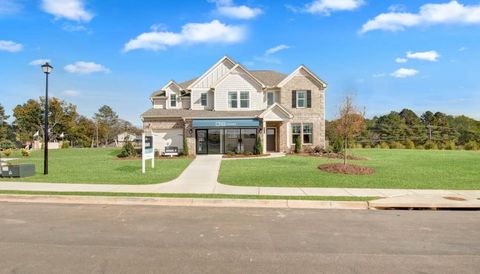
(131, 137)
(226, 108)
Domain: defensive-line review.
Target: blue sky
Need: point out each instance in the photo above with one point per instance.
(422, 55)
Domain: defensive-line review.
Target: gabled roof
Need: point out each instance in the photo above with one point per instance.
(224, 58)
(238, 66)
(304, 68)
(275, 106)
(164, 88)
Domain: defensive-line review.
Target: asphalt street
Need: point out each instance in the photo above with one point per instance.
(56, 238)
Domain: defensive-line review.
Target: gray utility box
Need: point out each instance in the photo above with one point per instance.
(18, 171)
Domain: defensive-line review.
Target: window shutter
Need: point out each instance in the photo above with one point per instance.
(309, 98)
(294, 98)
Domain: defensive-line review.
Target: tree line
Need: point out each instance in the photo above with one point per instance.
(65, 124)
(406, 129)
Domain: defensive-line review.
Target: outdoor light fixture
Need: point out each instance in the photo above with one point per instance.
(47, 69)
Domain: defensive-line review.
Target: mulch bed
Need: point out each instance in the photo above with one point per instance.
(346, 169)
(244, 155)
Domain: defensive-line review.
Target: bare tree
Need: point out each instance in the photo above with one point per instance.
(349, 124)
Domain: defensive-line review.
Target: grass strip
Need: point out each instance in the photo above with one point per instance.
(186, 195)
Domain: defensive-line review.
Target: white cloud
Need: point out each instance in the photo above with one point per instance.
(10, 46)
(404, 73)
(8, 7)
(39, 62)
(69, 9)
(276, 49)
(82, 67)
(401, 60)
(462, 49)
(73, 28)
(71, 93)
(228, 9)
(191, 33)
(326, 7)
(431, 55)
(452, 12)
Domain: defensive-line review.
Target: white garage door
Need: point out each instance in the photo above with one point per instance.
(168, 137)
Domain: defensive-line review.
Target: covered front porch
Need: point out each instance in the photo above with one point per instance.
(275, 127)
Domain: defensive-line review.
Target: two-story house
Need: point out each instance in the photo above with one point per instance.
(228, 107)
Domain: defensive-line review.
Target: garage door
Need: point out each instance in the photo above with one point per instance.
(168, 137)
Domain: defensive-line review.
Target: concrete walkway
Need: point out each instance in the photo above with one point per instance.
(200, 177)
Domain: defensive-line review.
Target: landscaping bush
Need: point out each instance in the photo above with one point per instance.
(396, 145)
(25, 152)
(65, 144)
(420, 147)
(127, 150)
(384, 145)
(230, 153)
(185, 147)
(7, 144)
(337, 146)
(367, 146)
(471, 145)
(450, 145)
(318, 149)
(248, 153)
(258, 146)
(431, 145)
(298, 145)
(409, 144)
(7, 152)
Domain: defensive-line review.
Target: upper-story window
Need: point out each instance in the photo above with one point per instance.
(244, 99)
(301, 98)
(232, 99)
(203, 99)
(270, 98)
(173, 100)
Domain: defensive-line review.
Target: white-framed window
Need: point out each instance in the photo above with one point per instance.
(270, 98)
(308, 133)
(301, 98)
(296, 131)
(244, 99)
(173, 100)
(232, 99)
(203, 99)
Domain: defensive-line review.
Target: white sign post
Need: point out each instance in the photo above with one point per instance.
(148, 151)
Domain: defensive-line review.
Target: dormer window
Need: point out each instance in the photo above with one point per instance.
(173, 100)
(270, 98)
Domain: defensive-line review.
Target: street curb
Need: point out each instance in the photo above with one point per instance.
(188, 202)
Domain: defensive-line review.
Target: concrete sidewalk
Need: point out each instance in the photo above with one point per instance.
(200, 177)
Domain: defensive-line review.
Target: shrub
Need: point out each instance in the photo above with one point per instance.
(258, 146)
(127, 150)
(230, 153)
(65, 144)
(25, 152)
(367, 146)
(384, 145)
(420, 147)
(471, 145)
(337, 146)
(185, 146)
(298, 145)
(7, 152)
(431, 145)
(248, 153)
(396, 145)
(7, 144)
(318, 149)
(409, 144)
(450, 145)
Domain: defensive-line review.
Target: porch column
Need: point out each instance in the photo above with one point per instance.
(264, 136)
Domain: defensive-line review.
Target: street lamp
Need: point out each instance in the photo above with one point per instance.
(47, 69)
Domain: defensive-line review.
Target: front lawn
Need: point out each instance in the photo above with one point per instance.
(416, 169)
(99, 166)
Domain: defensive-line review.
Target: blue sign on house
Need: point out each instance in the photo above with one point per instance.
(220, 123)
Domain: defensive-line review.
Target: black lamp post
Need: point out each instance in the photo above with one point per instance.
(47, 69)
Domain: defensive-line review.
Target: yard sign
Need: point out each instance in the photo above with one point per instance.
(148, 151)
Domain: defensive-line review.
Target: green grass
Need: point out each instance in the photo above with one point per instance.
(416, 169)
(99, 166)
(179, 195)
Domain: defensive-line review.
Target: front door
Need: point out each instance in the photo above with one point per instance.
(214, 141)
(202, 141)
(271, 139)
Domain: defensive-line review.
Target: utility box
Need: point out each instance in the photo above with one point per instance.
(18, 171)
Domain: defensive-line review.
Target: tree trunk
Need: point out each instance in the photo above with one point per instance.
(345, 152)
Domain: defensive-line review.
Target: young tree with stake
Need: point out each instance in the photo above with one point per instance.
(349, 124)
